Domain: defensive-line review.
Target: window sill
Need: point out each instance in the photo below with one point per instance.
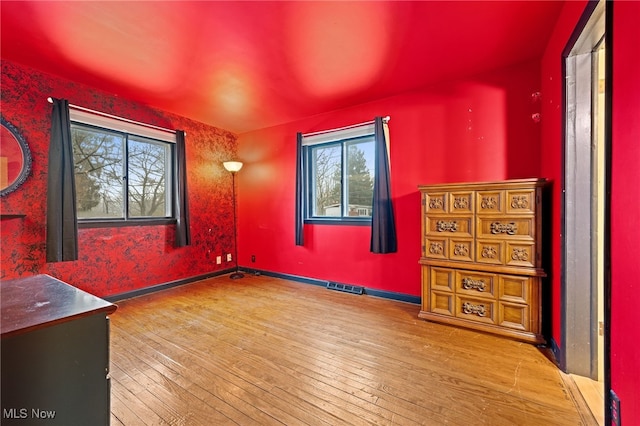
(124, 223)
(338, 221)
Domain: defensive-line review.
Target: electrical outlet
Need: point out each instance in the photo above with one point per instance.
(218, 260)
(615, 409)
(228, 257)
(253, 257)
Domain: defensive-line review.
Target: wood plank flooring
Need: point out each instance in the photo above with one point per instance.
(266, 351)
(592, 391)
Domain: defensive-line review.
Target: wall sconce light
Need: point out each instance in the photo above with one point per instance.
(234, 167)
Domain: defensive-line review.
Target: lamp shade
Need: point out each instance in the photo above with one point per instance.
(232, 166)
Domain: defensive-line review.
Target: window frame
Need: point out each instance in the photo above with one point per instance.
(343, 138)
(127, 129)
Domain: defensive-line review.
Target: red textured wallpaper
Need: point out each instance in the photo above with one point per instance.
(113, 260)
(476, 129)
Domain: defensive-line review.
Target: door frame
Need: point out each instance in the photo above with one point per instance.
(577, 350)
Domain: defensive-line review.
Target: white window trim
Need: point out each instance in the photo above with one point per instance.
(339, 135)
(112, 122)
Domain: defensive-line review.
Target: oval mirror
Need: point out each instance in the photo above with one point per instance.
(15, 158)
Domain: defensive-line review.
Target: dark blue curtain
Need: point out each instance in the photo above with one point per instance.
(62, 223)
(181, 201)
(383, 225)
(299, 192)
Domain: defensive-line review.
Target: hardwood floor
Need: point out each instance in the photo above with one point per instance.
(592, 392)
(265, 351)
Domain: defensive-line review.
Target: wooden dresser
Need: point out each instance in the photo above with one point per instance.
(54, 354)
(481, 256)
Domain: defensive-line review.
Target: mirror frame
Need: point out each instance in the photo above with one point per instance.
(26, 158)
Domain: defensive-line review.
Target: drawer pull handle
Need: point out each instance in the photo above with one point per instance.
(520, 202)
(471, 309)
(471, 284)
(489, 203)
(444, 226)
(504, 228)
(461, 250)
(461, 203)
(435, 203)
(520, 254)
(436, 248)
(489, 252)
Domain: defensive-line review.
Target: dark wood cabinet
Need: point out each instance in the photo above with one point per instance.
(55, 354)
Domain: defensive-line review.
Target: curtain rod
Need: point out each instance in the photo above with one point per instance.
(385, 120)
(115, 117)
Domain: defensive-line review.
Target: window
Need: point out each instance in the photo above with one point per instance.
(339, 170)
(122, 173)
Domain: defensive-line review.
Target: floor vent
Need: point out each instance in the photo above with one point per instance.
(355, 289)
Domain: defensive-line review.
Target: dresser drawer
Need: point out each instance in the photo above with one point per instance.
(490, 252)
(515, 316)
(490, 202)
(476, 309)
(439, 279)
(438, 285)
(435, 202)
(461, 202)
(449, 226)
(436, 248)
(521, 201)
(442, 303)
(476, 284)
(506, 227)
(514, 288)
(461, 249)
(521, 254)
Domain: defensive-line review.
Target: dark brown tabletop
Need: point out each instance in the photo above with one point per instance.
(39, 301)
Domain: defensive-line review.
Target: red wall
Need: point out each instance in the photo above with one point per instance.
(470, 130)
(625, 205)
(113, 260)
(552, 143)
(625, 210)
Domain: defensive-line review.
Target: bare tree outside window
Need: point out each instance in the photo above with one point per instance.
(111, 167)
(326, 175)
(98, 162)
(148, 190)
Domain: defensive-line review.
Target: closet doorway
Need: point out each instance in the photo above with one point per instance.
(585, 215)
